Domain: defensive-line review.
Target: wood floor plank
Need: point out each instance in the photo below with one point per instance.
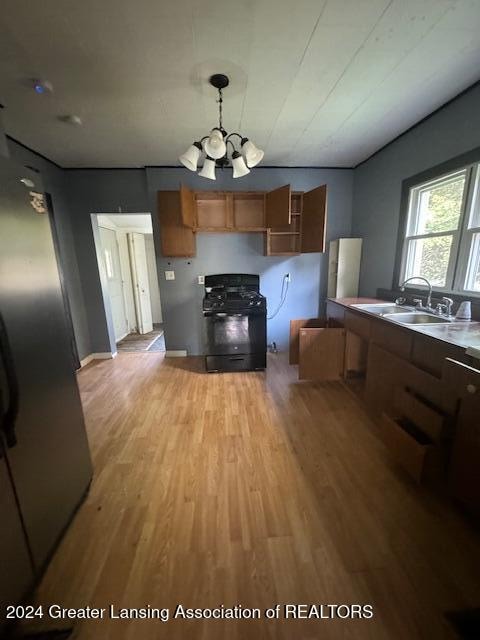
(252, 489)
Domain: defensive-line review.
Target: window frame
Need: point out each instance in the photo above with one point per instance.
(461, 246)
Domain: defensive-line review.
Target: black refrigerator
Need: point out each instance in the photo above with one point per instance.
(45, 466)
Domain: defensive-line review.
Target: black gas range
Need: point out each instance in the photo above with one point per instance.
(235, 319)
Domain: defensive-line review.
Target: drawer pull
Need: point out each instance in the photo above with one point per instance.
(471, 388)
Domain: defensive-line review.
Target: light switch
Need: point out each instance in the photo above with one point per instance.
(169, 275)
(200, 279)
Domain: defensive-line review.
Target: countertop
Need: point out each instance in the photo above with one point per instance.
(460, 333)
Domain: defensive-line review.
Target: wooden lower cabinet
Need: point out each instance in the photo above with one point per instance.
(426, 403)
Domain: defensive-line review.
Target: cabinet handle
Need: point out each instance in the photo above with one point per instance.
(471, 388)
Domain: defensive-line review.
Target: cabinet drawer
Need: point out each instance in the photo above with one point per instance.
(358, 324)
(393, 339)
(427, 418)
(430, 354)
(410, 448)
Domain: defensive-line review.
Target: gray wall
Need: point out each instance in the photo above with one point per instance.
(377, 183)
(237, 252)
(79, 193)
(99, 191)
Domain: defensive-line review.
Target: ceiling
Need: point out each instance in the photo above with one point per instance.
(137, 221)
(313, 82)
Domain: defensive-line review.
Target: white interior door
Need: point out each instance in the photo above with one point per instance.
(111, 261)
(141, 286)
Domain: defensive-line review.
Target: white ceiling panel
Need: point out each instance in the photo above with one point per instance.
(314, 82)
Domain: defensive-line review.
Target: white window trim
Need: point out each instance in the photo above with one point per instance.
(462, 236)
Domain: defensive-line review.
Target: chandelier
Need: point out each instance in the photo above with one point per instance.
(217, 144)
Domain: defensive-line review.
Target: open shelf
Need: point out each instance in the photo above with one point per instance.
(282, 243)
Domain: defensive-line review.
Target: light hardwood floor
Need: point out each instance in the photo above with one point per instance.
(256, 489)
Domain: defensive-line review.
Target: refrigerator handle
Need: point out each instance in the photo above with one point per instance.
(8, 418)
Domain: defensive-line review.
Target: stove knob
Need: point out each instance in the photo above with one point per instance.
(259, 303)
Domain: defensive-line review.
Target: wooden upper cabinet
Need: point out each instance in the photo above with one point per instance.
(278, 207)
(314, 220)
(188, 209)
(177, 240)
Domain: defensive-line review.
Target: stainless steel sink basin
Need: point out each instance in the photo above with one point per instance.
(419, 318)
(381, 309)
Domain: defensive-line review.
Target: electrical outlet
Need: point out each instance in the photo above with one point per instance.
(169, 275)
(200, 279)
(287, 277)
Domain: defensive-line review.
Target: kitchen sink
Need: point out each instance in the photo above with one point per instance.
(381, 309)
(418, 317)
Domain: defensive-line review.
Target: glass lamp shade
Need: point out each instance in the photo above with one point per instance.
(214, 145)
(190, 158)
(239, 167)
(253, 155)
(208, 169)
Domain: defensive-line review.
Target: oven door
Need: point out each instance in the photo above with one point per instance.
(235, 333)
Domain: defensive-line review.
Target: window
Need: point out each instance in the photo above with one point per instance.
(442, 236)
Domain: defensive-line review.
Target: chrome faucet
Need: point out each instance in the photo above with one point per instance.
(428, 305)
(444, 308)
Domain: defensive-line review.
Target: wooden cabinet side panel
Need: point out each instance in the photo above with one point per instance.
(322, 354)
(278, 207)
(176, 239)
(314, 220)
(187, 207)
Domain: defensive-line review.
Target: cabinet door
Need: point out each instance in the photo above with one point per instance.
(465, 461)
(176, 239)
(295, 327)
(314, 220)
(322, 354)
(278, 207)
(465, 465)
(187, 207)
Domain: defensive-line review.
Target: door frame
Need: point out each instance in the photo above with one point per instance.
(107, 328)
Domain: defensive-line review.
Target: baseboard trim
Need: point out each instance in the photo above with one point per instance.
(106, 355)
(176, 354)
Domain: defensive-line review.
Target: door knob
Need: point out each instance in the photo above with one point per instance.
(471, 388)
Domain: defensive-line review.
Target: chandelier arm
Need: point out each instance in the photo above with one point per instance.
(234, 134)
(229, 141)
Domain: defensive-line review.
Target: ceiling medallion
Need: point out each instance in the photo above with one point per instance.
(215, 146)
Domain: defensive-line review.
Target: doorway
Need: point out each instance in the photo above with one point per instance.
(128, 262)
